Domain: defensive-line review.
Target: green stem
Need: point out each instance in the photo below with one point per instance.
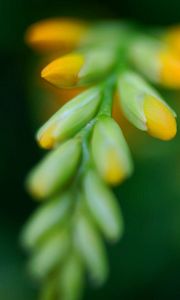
(109, 86)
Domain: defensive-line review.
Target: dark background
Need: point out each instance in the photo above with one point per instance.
(145, 265)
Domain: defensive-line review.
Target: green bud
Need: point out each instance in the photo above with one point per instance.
(91, 249)
(50, 254)
(70, 118)
(103, 206)
(55, 170)
(133, 90)
(98, 62)
(49, 290)
(71, 279)
(45, 218)
(98, 33)
(110, 151)
(143, 53)
(156, 60)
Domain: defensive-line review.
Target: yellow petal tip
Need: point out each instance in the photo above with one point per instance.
(114, 173)
(55, 34)
(45, 139)
(160, 121)
(172, 39)
(63, 72)
(170, 69)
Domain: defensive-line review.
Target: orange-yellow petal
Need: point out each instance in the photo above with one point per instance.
(55, 34)
(114, 172)
(170, 69)
(63, 72)
(172, 38)
(46, 139)
(160, 121)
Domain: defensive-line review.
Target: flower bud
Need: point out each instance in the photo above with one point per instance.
(81, 68)
(144, 107)
(154, 59)
(91, 248)
(55, 34)
(70, 118)
(55, 170)
(45, 219)
(49, 289)
(110, 151)
(50, 254)
(103, 206)
(71, 278)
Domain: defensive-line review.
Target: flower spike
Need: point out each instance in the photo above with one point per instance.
(88, 151)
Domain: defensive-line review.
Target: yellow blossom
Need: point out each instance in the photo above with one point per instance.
(55, 34)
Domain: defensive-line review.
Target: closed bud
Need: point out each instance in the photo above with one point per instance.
(50, 254)
(90, 246)
(49, 289)
(55, 170)
(103, 206)
(71, 278)
(110, 151)
(70, 118)
(55, 34)
(81, 68)
(46, 218)
(144, 107)
(156, 60)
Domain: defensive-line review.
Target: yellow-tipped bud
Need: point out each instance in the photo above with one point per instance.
(159, 119)
(170, 69)
(70, 118)
(63, 72)
(157, 61)
(144, 107)
(46, 140)
(80, 68)
(55, 170)
(110, 151)
(55, 34)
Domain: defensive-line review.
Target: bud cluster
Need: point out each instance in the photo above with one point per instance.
(88, 152)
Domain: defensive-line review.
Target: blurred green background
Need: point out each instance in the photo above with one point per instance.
(145, 264)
